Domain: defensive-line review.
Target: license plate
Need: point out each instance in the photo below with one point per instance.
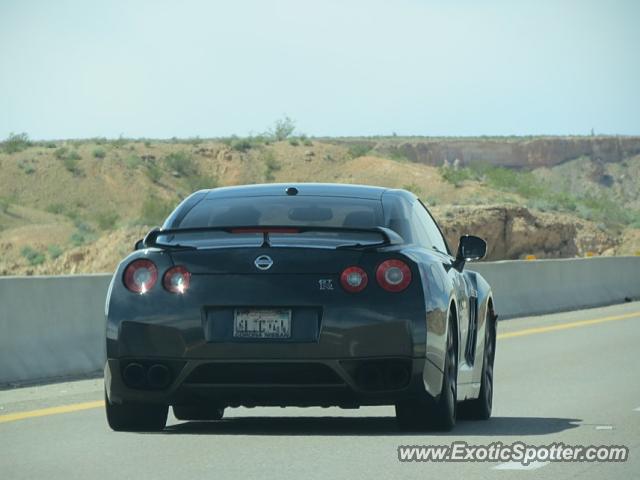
(262, 323)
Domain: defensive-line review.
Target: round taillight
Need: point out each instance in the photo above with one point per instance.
(393, 275)
(140, 275)
(354, 279)
(176, 279)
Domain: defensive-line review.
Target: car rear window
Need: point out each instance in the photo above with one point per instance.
(271, 211)
(285, 211)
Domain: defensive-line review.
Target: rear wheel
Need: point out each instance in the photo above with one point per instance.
(438, 413)
(135, 417)
(182, 412)
(480, 408)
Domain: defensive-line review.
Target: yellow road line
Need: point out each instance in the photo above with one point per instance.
(565, 326)
(75, 407)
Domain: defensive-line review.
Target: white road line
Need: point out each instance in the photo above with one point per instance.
(604, 427)
(519, 466)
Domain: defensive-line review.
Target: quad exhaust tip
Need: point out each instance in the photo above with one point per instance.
(134, 375)
(383, 375)
(156, 376)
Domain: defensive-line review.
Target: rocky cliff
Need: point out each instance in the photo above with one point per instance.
(519, 153)
(514, 232)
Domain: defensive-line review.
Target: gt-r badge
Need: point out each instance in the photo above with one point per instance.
(325, 284)
(263, 262)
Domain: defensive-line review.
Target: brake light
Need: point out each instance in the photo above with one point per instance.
(266, 230)
(140, 275)
(393, 275)
(176, 279)
(354, 279)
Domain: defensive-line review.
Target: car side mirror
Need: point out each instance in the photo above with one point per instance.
(470, 248)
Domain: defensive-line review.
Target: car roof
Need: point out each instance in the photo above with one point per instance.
(304, 189)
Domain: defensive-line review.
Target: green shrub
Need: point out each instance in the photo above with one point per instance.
(82, 226)
(107, 220)
(272, 165)
(241, 144)
(282, 129)
(132, 161)
(78, 239)
(398, 156)
(306, 142)
(456, 176)
(61, 152)
(182, 163)
(154, 211)
(34, 257)
(99, 152)
(55, 208)
(71, 161)
(294, 142)
(26, 167)
(54, 251)
(16, 142)
(508, 180)
(153, 172)
(358, 150)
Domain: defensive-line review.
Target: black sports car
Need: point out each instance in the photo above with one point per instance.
(299, 295)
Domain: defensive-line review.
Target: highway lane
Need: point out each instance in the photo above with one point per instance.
(559, 378)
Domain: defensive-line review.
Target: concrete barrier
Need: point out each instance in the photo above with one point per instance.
(536, 287)
(53, 327)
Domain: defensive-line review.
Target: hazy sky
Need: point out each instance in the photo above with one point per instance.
(83, 68)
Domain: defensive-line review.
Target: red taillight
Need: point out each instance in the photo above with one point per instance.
(176, 279)
(140, 275)
(354, 279)
(393, 275)
(266, 230)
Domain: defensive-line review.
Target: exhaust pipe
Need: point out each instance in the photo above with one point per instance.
(370, 377)
(158, 376)
(396, 375)
(133, 375)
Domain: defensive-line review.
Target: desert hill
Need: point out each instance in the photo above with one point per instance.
(78, 205)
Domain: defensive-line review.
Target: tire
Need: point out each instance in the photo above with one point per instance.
(135, 417)
(440, 413)
(197, 413)
(480, 408)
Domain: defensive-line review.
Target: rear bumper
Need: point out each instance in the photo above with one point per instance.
(347, 383)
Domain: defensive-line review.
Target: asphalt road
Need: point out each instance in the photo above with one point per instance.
(570, 378)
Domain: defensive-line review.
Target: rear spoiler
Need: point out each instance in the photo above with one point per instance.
(389, 237)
